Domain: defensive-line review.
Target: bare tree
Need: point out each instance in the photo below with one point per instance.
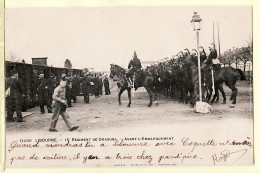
(227, 58)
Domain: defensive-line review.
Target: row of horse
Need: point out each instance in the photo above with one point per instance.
(178, 79)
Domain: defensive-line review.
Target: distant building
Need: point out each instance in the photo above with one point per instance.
(40, 61)
(240, 65)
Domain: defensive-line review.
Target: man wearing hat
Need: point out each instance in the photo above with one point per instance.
(15, 92)
(86, 87)
(43, 91)
(75, 87)
(133, 67)
(212, 55)
(100, 84)
(51, 82)
(106, 85)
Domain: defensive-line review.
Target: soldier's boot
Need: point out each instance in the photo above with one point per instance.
(130, 83)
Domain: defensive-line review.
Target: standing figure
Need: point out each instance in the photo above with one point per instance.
(86, 87)
(96, 85)
(106, 85)
(43, 91)
(15, 90)
(58, 104)
(51, 83)
(133, 67)
(100, 84)
(75, 87)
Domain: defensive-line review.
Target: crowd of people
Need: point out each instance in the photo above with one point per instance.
(44, 92)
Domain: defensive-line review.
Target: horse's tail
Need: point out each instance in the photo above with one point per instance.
(242, 75)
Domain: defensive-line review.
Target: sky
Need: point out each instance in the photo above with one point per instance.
(95, 37)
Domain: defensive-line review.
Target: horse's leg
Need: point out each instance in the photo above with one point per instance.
(232, 86)
(223, 94)
(119, 95)
(129, 96)
(150, 93)
(209, 94)
(214, 96)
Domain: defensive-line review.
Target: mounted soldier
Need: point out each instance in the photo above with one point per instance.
(212, 59)
(133, 67)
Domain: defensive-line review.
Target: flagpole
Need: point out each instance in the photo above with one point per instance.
(213, 34)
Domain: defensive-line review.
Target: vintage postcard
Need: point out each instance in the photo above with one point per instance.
(129, 86)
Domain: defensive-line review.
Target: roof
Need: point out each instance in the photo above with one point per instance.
(44, 66)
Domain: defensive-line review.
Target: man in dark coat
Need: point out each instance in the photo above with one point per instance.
(133, 67)
(96, 85)
(106, 85)
(51, 82)
(86, 87)
(43, 93)
(100, 84)
(75, 84)
(14, 93)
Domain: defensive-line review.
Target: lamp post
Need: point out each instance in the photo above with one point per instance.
(196, 20)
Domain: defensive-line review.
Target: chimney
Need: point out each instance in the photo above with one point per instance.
(40, 61)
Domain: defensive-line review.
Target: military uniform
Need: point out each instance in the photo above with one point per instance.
(100, 85)
(75, 84)
(51, 83)
(96, 86)
(106, 85)
(133, 66)
(86, 88)
(43, 95)
(14, 99)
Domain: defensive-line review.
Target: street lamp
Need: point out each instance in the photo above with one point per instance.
(196, 22)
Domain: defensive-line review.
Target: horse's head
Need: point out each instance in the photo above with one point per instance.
(116, 70)
(112, 71)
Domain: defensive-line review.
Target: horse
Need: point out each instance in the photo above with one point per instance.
(142, 79)
(227, 75)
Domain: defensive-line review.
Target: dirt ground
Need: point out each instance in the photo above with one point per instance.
(104, 113)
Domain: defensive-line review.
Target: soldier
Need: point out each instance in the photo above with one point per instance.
(133, 66)
(51, 82)
(43, 91)
(106, 85)
(100, 84)
(86, 87)
(15, 91)
(213, 58)
(96, 85)
(75, 84)
(59, 104)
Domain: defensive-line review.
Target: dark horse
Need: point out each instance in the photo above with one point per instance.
(142, 79)
(227, 75)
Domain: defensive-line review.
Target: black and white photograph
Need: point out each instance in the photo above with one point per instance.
(129, 86)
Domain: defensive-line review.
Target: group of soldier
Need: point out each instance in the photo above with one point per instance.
(89, 84)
